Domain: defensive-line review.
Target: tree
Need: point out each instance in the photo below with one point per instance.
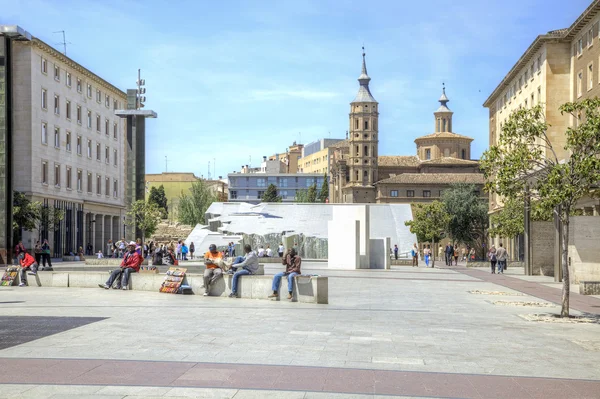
(429, 223)
(324, 193)
(510, 221)
(158, 197)
(271, 194)
(301, 196)
(469, 215)
(48, 218)
(25, 213)
(192, 207)
(525, 158)
(145, 216)
(311, 196)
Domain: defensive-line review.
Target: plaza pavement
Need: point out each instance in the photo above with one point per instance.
(407, 332)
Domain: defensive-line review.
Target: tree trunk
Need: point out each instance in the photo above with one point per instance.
(564, 312)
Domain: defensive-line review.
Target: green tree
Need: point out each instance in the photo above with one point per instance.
(145, 216)
(271, 194)
(192, 207)
(525, 155)
(48, 218)
(429, 223)
(324, 193)
(510, 221)
(26, 213)
(469, 215)
(158, 197)
(311, 196)
(301, 196)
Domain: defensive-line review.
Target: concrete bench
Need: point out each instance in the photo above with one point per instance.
(89, 261)
(589, 287)
(307, 289)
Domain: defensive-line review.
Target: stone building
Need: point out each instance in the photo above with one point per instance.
(358, 174)
(68, 146)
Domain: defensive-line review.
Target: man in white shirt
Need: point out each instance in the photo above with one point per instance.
(261, 252)
(269, 251)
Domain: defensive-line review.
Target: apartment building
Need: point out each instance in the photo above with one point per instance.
(68, 146)
(250, 187)
(316, 155)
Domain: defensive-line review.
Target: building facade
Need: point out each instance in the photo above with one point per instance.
(250, 187)
(315, 156)
(68, 150)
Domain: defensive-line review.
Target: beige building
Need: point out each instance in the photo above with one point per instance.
(290, 158)
(315, 156)
(69, 147)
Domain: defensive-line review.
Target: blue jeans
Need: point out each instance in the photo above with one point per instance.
(501, 266)
(426, 260)
(236, 276)
(237, 260)
(277, 280)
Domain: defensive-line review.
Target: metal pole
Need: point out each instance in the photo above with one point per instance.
(527, 232)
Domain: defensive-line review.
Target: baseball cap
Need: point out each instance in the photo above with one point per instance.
(212, 247)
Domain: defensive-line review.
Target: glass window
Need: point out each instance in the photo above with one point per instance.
(115, 130)
(106, 127)
(56, 104)
(78, 145)
(115, 158)
(44, 133)
(44, 172)
(79, 114)
(427, 153)
(283, 182)
(410, 193)
(79, 180)
(89, 182)
(89, 149)
(44, 99)
(68, 79)
(115, 188)
(44, 65)
(78, 85)
(107, 186)
(89, 119)
(89, 90)
(98, 96)
(68, 141)
(69, 177)
(106, 155)
(98, 123)
(260, 194)
(56, 175)
(68, 109)
(98, 184)
(426, 193)
(233, 194)
(57, 137)
(97, 151)
(394, 193)
(56, 72)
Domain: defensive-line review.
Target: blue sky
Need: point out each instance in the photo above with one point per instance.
(232, 80)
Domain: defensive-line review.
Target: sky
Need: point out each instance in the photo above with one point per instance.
(233, 81)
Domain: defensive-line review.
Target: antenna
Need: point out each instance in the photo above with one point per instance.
(64, 41)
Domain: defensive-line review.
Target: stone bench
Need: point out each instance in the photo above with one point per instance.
(307, 289)
(89, 261)
(589, 287)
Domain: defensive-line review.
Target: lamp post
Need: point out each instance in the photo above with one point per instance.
(90, 234)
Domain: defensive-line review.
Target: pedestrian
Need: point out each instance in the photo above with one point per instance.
(192, 250)
(280, 250)
(46, 255)
(261, 252)
(415, 255)
(37, 250)
(138, 247)
(449, 253)
(100, 254)
(426, 255)
(464, 254)
(456, 254)
(178, 250)
(19, 248)
(492, 258)
(396, 252)
(184, 251)
(109, 249)
(501, 256)
(269, 252)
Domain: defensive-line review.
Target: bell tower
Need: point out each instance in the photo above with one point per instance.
(363, 140)
(443, 116)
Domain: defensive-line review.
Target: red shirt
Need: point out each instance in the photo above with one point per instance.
(27, 261)
(132, 261)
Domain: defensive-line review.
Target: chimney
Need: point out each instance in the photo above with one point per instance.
(264, 158)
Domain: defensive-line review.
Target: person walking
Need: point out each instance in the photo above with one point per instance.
(192, 250)
(396, 252)
(46, 255)
(456, 254)
(109, 249)
(427, 255)
(184, 251)
(492, 258)
(178, 250)
(415, 255)
(37, 251)
(501, 256)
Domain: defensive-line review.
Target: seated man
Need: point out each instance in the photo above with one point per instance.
(130, 264)
(27, 262)
(269, 252)
(292, 264)
(212, 260)
(248, 265)
(261, 252)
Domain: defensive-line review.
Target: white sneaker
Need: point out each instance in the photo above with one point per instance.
(22, 285)
(206, 294)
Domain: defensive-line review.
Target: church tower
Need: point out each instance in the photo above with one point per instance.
(443, 116)
(363, 142)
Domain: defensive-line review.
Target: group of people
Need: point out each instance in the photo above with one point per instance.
(248, 265)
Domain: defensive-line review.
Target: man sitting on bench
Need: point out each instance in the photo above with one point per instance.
(130, 264)
(212, 260)
(27, 262)
(292, 264)
(248, 265)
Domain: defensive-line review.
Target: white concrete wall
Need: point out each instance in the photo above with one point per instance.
(344, 244)
(584, 251)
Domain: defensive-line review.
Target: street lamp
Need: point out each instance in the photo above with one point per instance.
(90, 234)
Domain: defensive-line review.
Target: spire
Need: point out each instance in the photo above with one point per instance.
(443, 101)
(364, 94)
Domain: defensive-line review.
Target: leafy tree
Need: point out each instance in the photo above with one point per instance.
(525, 155)
(301, 196)
(158, 197)
(510, 221)
(192, 207)
(311, 196)
(48, 218)
(469, 214)
(429, 223)
(145, 216)
(25, 213)
(324, 193)
(271, 194)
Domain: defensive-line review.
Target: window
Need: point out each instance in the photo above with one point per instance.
(44, 172)
(69, 178)
(356, 123)
(68, 141)
(532, 100)
(79, 114)
(115, 104)
(410, 193)
(89, 119)
(115, 188)
(427, 154)
(98, 151)
(106, 127)
(98, 123)
(283, 194)
(366, 125)
(78, 145)
(308, 182)
(115, 158)
(56, 104)
(78, 85)
(366, 153)
(44, 66)
(579, 47)
(463, 154)
(526, 103)
(356, 176)
(89, 91)
(44, 133)
(115, 130)
(539, 63)
(98, 184)
(56, 175)
(106, 154)
(56, 137)
(532, 70)
(89, 149)
(590, 76)
(68, 79)
(283, 182)
(539, 95)
(79, 180)
(590, 41)
(44, 99)
(579, 83)
(98, 96)
(107, 100)
(56, 73)
(394, 193)
(107, 186)
(89, 182)
(260, 194)
(261, 182)
(426, 193)
(68, 109)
